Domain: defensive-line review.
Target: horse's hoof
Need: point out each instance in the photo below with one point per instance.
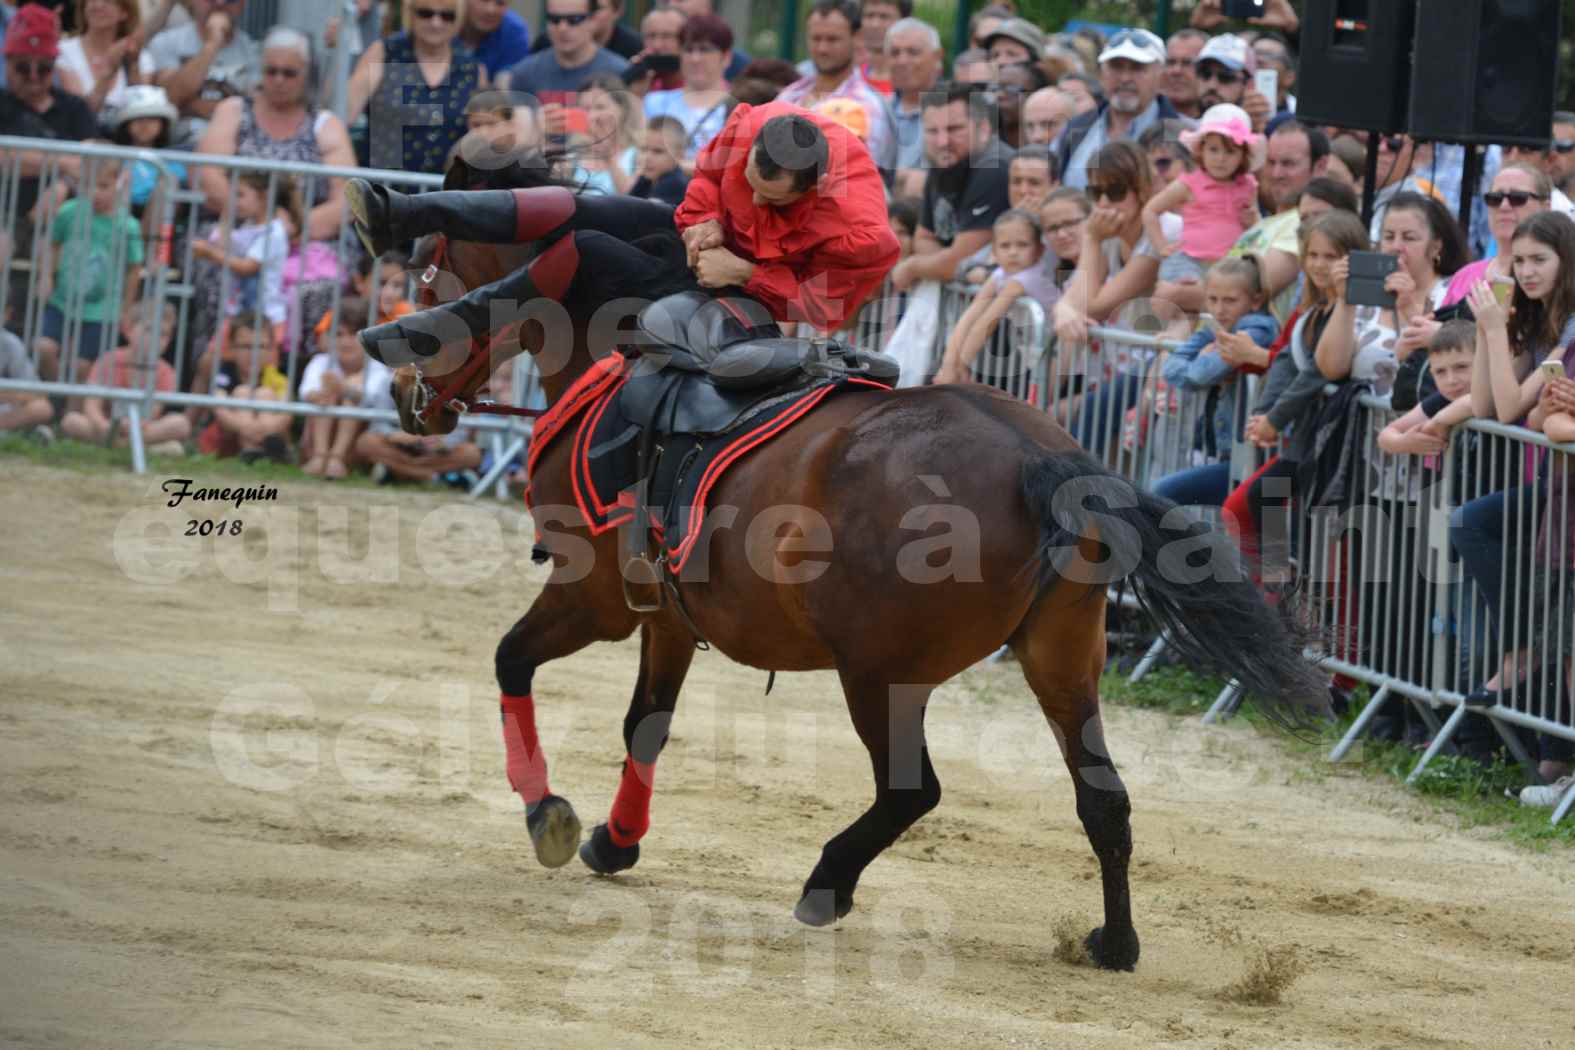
(604, 856)
(554, 831)
(1115, 954)
(822, 907)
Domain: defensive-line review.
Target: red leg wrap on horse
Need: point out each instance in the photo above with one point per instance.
(527, 766)
(631, 808)
(554, 268)
(539, 211)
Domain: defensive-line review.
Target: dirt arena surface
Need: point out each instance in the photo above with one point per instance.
(254, 796)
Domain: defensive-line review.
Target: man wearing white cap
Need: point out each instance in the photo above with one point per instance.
(1129, 70)
(1224, 71)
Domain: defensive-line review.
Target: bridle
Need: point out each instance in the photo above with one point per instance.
(449, 391)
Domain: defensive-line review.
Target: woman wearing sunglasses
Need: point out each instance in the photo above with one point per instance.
(418, 83)
(280, 120)
(1117, 270)
(1518, 192)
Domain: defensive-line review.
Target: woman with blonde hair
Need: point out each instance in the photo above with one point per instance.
(107, 56)
(606, 162)
(423, 69)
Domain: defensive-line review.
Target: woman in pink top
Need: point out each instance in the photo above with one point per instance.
(1218, 199)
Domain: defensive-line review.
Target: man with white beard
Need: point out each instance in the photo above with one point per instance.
(1129, 71)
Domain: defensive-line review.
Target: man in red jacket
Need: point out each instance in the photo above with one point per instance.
(786, 206)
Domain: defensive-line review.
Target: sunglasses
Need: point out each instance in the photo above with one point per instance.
(1563, 145)
(287, 72)
(40, 68)
(1220, 75)
(1392, 143)
(1162, 164)
(1114, 194)
(572, 20)
(1516, 198)
(427, 14)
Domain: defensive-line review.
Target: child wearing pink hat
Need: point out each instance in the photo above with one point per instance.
(1218, 199)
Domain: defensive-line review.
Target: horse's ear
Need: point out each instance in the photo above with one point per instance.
(457, 177)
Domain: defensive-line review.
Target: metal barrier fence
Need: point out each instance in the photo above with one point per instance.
(1381, 577)
(151, 264)
(1383, 585)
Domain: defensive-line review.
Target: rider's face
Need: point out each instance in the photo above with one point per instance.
(777, 192)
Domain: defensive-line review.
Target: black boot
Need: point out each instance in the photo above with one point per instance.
(423, 335)
(385, 218)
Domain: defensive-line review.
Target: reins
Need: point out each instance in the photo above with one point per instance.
(448, 393)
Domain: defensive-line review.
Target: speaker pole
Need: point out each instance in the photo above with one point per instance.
(1471, 174)
(1370, 183)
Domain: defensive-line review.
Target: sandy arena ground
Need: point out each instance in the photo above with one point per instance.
(255, 797)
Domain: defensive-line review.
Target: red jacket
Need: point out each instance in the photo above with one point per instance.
(816, 259)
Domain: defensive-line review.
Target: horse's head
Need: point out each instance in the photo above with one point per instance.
(430, 399)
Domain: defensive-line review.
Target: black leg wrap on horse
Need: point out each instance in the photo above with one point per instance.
(1106, 813)
(604, 856)
(515, 676)
(645, 734)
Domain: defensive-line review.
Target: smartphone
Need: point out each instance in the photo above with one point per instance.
(1552, 369)
(1243, 8)
(576, 121)
(1365, 286)
(1267, 81)
(660, 65)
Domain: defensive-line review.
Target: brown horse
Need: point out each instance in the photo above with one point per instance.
(899, 538)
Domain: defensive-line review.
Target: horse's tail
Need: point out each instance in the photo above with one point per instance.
(1187, 575)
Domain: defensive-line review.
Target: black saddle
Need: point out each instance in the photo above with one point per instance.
(707, 366)
(715, 358)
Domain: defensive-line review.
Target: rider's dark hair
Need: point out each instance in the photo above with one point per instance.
(848, 9)
(792, 145)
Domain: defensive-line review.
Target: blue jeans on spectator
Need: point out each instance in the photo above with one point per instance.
(1490, 530)
(1205, 486)
(1100, 415)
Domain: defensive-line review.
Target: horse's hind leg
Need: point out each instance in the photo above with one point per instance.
(890, 721)
(665, 655)
(556, 625)
(1061, 646)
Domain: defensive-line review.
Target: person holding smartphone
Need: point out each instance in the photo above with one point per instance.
(1359, 341)
(556, 73)
(705, 48)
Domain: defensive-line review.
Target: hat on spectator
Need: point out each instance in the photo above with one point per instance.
(1136, 45)
(848, 113)
(1230, 51)
(34, 32)
(1022, 31)
(145, 100)
(1231, 123)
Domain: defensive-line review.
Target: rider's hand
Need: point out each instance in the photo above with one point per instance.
(720, 268)
(699, 237)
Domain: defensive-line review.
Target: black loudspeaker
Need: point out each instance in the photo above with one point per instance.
(1485, 71)
(1355, 67)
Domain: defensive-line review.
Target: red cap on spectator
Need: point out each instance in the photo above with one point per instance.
(34, 32)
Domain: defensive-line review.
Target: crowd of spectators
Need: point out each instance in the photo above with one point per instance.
(1111, 178)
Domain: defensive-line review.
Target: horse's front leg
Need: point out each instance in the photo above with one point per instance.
(559, 622)
(665, 655)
